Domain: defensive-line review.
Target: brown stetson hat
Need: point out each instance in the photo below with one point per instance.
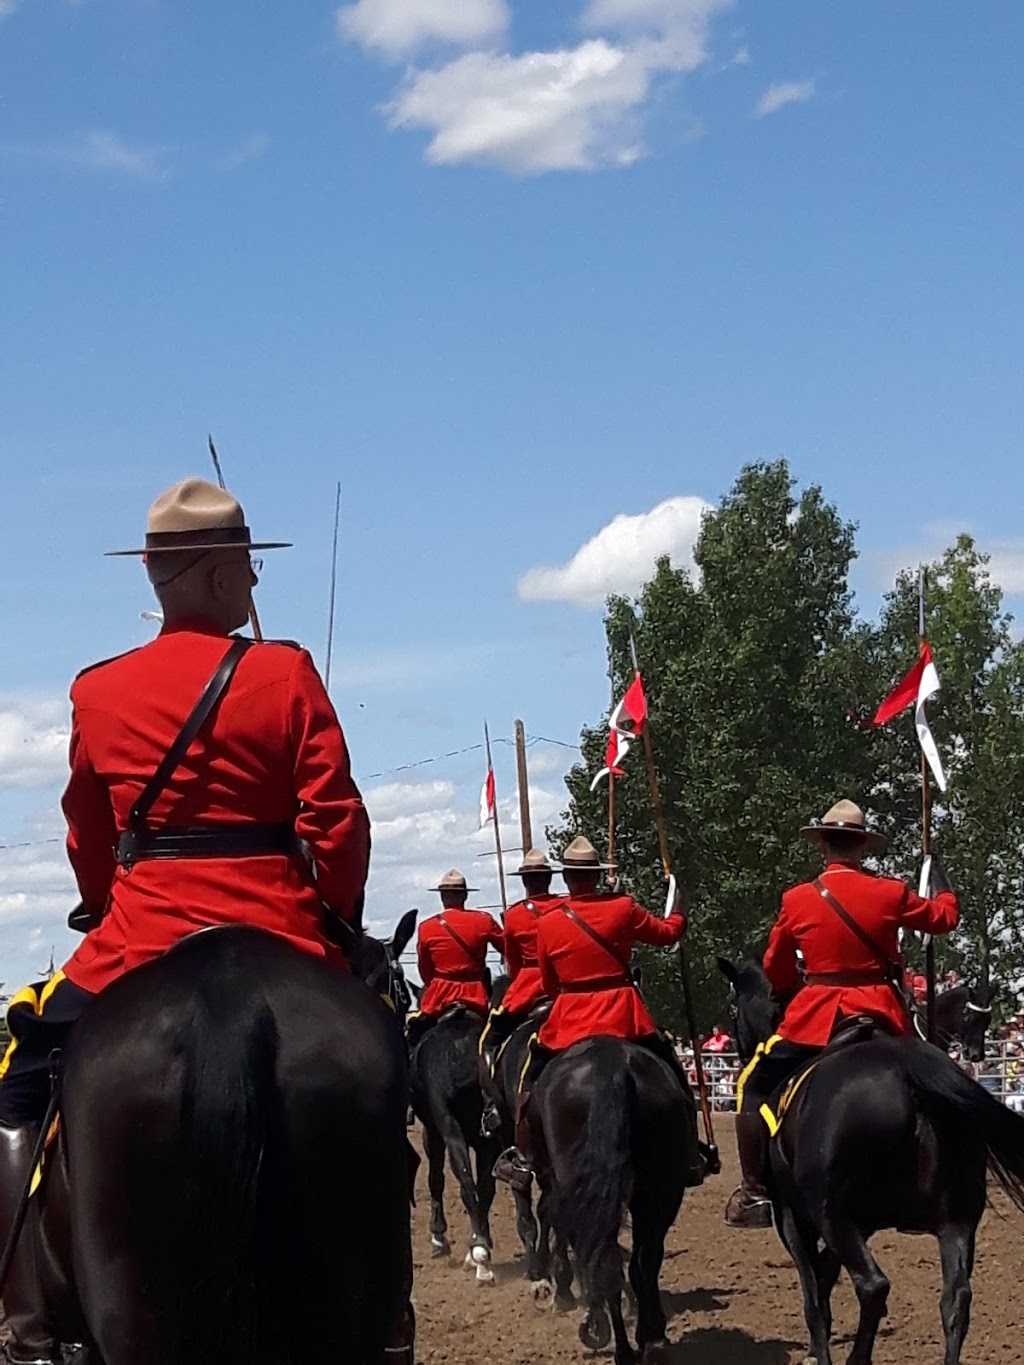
(196, 515)
(453, 881)
(535, 861)
(847, 818)
(582, 856)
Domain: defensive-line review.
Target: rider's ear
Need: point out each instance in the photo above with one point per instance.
(727, 969)
(404, 932)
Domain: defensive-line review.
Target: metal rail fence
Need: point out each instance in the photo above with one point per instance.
(1002, 1073)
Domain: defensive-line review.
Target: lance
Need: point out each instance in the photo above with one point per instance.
(497, 831)
(254, 620)
(926, 835)
(714, 1163)
(334, 585)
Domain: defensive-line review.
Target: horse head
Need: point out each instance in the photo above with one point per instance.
(753, 1011)
(963, 1015)
(379, 963)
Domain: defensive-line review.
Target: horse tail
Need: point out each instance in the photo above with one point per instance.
(592, 1205)
(943, 1089)
(229, 1103)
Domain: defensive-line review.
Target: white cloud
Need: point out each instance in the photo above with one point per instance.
(249, 150)
(397, 28)
(777, 96)
(105, 151)
(7, 8)
(545, 111)
(576, 107)
(1006, 557)
(621, 556)
(33, 742)
(37, 889)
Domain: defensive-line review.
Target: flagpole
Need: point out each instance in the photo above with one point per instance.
(684, 965)
(497, 831)
(611, 780)
(254, 620)
(334, 585)
(926, 831)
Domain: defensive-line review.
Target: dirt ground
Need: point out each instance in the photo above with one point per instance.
(733, 1298)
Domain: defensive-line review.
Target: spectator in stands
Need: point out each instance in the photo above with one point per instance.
(717, 1041)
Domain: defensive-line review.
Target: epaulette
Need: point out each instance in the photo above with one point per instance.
(292, 644)
(102, 663)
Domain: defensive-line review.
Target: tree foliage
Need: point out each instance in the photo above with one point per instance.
(753, 667)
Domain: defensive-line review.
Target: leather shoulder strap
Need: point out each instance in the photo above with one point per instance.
(599, 939)
(470, 953)
(212, 693)
(890, 968)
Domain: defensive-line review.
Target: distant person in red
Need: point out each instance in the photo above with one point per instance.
(452, 956)
(525, 989)
(584, 947)
(717, 1040)
(258, 822)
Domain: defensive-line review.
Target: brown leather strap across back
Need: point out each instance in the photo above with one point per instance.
(599, 939)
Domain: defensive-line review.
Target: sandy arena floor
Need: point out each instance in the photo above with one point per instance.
(733, 1298)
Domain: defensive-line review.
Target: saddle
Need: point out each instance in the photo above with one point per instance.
(457, 1010)
(856, 1028)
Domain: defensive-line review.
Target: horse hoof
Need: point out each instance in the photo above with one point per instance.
(596, 1330)
(656, 1352)
(440, 1246)
(542, 1292)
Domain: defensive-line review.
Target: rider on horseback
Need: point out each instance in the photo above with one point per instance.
(846, 925)
(526, 990)
(452, 954)
(584, 946)
(256, 820)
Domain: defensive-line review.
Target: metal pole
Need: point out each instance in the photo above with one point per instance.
(497, 831)
(254, 620)
(334, 585)
(523, 779)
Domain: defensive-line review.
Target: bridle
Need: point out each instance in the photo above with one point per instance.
(388, 978)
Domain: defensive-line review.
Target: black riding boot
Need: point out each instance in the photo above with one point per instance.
(490, 1120)
(31, 1341)
(749, 1206)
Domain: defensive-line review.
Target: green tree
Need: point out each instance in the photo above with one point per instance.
(978, 723)
(750, 670)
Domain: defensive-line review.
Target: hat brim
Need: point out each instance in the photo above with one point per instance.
(536, 871)
(465, 889)
(873, 842)
(189, 549)
(589, 867)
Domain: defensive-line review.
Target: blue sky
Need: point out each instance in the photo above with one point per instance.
(508, 271)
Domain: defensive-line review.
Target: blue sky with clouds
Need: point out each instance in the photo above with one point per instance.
(509, 271)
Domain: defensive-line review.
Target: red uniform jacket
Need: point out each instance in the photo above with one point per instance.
(452, 974)
(272, 752)
(521, 922)
(571, 960)
(881, 906)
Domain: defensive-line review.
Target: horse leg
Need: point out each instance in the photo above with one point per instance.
(434, 1144)
(651, 1218)
(956, 1248)
(479, 1254)
(486, 1152)
(526, 1226)
(870, 1283)
(801, 1242)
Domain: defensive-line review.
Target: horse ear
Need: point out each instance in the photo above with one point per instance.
(727, 969)
(404, 932)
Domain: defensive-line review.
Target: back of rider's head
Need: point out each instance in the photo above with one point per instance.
(843, 848)
(536, 883)
(212, 586)
(582, 881)
(453, 898)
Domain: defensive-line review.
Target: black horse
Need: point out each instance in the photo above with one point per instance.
(448, 1101)
(379, 963)
(232, 1180)
(609, 1133)
(534, 1230)
(882, 1132)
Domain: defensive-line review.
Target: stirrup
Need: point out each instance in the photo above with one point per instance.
(746, 1210)
(490, 1120)
(512, 1168)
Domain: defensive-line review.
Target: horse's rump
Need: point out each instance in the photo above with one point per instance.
(237, 1159)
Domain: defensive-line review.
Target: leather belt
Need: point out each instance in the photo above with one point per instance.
(599, 983)
(466, 974)
(249, 840)
(865, 978)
